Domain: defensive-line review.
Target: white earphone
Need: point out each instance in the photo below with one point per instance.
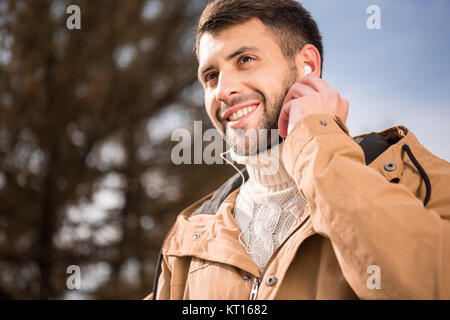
(307, 70)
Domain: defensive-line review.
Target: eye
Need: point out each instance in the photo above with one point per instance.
(245, 59)
(210, 76)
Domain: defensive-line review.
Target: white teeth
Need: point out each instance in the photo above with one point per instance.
(240, 113)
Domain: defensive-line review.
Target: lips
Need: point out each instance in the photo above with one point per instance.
(237, 116)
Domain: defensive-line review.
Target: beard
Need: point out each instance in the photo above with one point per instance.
(255, 140)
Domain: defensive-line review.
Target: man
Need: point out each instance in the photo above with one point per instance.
(321, 215)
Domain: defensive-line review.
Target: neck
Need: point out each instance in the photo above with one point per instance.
(266, 171)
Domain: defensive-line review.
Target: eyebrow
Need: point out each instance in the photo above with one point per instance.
(229, 57)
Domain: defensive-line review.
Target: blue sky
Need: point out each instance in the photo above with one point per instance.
(397, 75)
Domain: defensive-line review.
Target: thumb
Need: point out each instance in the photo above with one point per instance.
(283, 120)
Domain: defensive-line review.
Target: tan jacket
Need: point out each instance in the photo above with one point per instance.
(376, 226)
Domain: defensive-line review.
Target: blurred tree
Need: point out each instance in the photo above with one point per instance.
(85, 122)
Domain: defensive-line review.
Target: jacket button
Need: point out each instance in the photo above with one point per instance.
(390, 166)
(196, 235)
(271, 280)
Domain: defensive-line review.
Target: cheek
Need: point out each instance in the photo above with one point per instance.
(264, 87)
(211, 106)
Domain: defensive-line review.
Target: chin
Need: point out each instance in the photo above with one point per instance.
(245, 147)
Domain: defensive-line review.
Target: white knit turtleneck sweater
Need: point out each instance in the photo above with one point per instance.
(267, 205)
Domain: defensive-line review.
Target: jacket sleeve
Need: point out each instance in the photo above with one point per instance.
(163, 287)
(149, 297)
(371, 222)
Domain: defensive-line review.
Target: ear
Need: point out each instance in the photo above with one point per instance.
(308, 56)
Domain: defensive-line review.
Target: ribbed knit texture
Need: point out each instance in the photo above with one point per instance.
(267, 204)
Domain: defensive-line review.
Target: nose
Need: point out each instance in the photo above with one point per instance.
(227, 88)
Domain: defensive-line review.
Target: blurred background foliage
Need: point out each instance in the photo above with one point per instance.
(85, 122)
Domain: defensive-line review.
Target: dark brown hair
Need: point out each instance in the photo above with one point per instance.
(292, 25)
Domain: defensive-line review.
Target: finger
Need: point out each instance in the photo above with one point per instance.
(316, 83)
(283, 120)
(345, 111)
(298, 90)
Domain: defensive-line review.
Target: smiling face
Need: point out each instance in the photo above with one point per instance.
(246, 77)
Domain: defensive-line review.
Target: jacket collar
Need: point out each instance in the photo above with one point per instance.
(211, 237)
(373, 144)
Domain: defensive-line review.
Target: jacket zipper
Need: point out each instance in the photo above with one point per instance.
(255, 287)
(256, 280)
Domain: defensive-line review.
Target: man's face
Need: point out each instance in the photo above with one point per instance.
(246, 77)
